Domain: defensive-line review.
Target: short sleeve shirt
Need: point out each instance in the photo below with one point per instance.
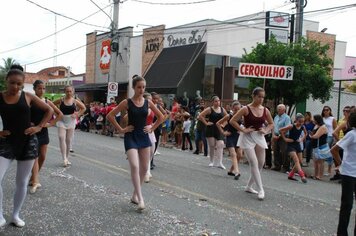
(348, 144)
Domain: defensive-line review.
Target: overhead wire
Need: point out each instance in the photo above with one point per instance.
(221, 24)
(173, 3)
(66, 52)
(102, 10)
(50, 35)
(62, 15)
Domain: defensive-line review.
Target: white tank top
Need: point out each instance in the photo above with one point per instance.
(329, 124)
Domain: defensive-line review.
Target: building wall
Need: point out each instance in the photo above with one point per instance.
(232, 42)
(90, 58)
(152, 46)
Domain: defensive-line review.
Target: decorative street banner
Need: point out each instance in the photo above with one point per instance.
(105, 56)
(266, 71)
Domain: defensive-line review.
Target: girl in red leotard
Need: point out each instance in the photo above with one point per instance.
(252, 139)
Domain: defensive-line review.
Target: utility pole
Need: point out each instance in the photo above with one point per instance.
(114, 41)
(68, 74)
(299, 19)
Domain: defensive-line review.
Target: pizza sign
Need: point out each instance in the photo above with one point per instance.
(105, 55)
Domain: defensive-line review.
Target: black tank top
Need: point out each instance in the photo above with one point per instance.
(137, 115)
(322, 139)
(67, 110)
(214, 116)
(230, 128)
(37, 116)
(295, 133)
(16, 119)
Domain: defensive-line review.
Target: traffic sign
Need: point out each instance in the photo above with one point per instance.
(113, 89)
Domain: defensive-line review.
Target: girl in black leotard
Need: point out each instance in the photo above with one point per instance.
(213, 135)
(137, 142)
(66, 126)
(43, 139)
(294, 149)
(17, 139)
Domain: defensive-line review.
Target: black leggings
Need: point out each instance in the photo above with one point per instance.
(347, 200)
(186, 136)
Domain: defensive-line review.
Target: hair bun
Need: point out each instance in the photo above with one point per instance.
(16, 67)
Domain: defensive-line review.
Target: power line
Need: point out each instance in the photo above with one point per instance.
(64, 16)
(101, 9)
(66, 52)
(50, 35)
(173, 3)
(223, 25)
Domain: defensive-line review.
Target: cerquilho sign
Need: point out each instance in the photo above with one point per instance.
(266, 71)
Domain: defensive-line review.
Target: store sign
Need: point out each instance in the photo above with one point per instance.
(113, 89)
(266, 71)
(105, 55)
(349, 72)
(279, 34)
(277, 19)
(173, 40)
(152, 45)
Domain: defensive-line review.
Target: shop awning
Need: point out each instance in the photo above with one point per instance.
(98, 87)
(171, 66)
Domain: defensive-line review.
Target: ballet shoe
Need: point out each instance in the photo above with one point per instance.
(141, 206)
(133, 201)
(34, 187)
(250, 190)
(146, 179)
(2, 222)
(18, 223)
(65, 163)
(261, 195)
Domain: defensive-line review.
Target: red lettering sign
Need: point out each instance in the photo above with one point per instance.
(266, 71)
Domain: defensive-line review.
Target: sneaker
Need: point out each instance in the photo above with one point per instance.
(335, 177)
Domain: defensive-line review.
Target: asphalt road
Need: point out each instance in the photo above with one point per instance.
(185, 197)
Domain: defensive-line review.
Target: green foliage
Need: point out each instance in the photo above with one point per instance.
(7, 63)
(351, 87)
(312, 70)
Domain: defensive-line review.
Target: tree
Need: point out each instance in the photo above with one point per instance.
(8, 62)
(351, 87)
(312, 71)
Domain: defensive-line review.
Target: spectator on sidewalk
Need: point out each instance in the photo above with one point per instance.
(331, 124)
(348, 172)
(186, 133)
(280, 156)
(309, 126)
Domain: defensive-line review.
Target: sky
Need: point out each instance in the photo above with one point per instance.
(23, 22)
